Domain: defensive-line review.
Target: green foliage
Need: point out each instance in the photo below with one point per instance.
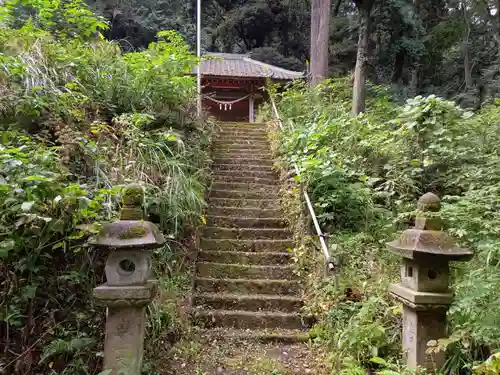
(66, 18)
(364, 175)
(80, 119)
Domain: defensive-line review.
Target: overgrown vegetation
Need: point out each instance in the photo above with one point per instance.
(80, 118)
(364, 175)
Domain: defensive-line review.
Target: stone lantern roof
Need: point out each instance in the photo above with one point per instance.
(426, 238)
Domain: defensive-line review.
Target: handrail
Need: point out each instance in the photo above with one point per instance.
(329, 263)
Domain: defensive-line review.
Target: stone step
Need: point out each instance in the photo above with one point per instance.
(250, 179)
(246, 286)
(243, 212)
(248, 126)
(243, 153)
(235, 271)
(245, 186)
(244, 173)
(241, 194)
(244, 140)
(244, 203)
(247, 233)
(276, 335)
(246, 222)
(241, 134)
(211, 244)
(242, 167)
(227, 137)
(247, 302)
(247, 258)
(230, 146)
(244, 160)
(249, 319)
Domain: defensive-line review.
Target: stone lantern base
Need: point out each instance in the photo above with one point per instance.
(420, 327)
(125, 325)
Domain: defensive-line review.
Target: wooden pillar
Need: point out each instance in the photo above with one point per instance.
(251, 108)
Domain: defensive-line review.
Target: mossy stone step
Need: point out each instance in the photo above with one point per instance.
(266, 245)
(245, 258)
(229, 147)
(241, 319)
(232, 135)
(245, 186)
(250, 179)
(244, 173)
(246, 222)
(248, 302)
(244, 160)
(243, 202)
(243, 194)
(243, 212)
(244, 126)
(247, 286)
(276, 335)
(238, 271)
(252, 245)
(242, 167)
(242, 153)
(247, 233)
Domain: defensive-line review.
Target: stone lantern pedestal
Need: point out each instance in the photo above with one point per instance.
(128, 289)
(424, 287)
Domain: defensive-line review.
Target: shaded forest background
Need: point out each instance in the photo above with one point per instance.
(444, 47)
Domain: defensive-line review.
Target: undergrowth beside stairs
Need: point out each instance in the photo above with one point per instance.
(80, 119)
(364, 175)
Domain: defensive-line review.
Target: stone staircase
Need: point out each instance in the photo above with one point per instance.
(244, 282)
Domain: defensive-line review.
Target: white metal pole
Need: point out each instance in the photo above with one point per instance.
(198, 54)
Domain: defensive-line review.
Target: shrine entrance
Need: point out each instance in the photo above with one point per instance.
(232, 100)
(233, 85)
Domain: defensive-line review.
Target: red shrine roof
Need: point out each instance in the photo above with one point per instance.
(240, 65)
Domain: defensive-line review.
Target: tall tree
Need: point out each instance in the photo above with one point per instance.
(359, 89)
(320, 16)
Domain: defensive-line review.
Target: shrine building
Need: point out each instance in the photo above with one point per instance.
(232, 85)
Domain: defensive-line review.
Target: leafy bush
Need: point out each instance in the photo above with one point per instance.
(80, 119)
(364, 175)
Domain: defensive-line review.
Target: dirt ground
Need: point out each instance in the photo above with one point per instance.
(207, 355)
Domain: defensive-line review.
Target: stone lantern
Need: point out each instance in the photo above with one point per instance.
(424, 287)
(128, 289)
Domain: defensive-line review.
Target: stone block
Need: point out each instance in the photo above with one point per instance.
(420, 327)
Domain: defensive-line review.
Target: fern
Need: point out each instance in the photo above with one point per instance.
(60, 346)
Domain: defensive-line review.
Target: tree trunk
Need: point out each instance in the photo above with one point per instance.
(413, 81)
(359, 89)
(320, 15)
(466, 49)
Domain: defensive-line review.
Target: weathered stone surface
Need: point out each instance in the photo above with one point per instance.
(421, 298)
(248, 233)
(131, 296)
(247, 222)
(124, 340)
(426, 238)
(257, 245)
(129, 234)
(128, 267)
(256, 286)
(425, 276)
(127, 291)
(244, 274)
(424, 282)
(234, 271)
(420, 327)
(250, 258)
(248, 302)
(241, 319)
(265, 203)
